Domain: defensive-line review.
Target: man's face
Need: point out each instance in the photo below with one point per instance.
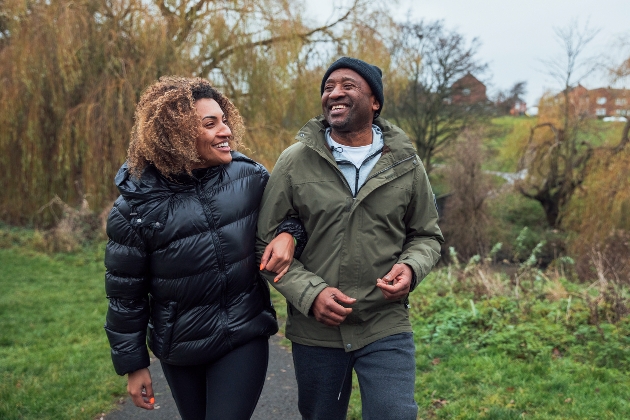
(347, 101)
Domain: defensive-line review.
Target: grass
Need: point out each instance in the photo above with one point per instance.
(535, 357)
(54, 355)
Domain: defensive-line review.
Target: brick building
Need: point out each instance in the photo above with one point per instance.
(601, 102)
(468, 90)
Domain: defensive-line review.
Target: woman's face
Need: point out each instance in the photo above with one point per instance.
(212, 142)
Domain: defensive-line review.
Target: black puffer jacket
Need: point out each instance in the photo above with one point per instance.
(181, 261)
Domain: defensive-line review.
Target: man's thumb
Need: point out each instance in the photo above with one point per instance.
(341, 297)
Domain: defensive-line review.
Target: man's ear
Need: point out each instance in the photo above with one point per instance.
(375, 105)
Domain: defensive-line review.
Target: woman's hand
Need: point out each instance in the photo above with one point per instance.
(140, 388)
(278, 255)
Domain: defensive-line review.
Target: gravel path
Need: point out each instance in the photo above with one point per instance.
(278, 399)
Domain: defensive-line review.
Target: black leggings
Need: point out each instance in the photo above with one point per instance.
(227, 389)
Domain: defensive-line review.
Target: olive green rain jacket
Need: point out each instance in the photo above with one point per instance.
(352, 241)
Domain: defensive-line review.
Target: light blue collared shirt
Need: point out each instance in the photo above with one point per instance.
(356, 175)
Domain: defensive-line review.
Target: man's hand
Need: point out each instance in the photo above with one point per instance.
(278, 255)
(396, 283)
(139, 386)
(327, 309)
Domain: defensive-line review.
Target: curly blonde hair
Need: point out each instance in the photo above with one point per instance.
(166, 125)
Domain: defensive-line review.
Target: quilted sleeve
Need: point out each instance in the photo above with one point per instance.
(295, 228)
(127, 287)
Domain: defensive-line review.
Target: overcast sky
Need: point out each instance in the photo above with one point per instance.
(515, 35)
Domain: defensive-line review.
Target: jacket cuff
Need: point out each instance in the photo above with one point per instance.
(295, 228)
(130, 362)
(128, 355)
(305, 303)
(418, 275)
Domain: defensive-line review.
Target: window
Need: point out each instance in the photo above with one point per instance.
(466, 92)
(622, 112)
(620, 101)
(601, 100)
(600, 112)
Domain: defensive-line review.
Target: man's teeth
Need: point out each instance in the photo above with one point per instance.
(335, 107)
(224, 144)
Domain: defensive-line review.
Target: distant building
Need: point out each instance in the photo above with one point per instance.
(468, 90)
(608, 102)
(519, 107)
(600, 102)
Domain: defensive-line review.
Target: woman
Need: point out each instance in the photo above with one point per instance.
(181, 265)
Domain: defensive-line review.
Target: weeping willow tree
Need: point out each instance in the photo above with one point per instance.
(72, 73)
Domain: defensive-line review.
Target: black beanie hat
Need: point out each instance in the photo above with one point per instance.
(370, 73)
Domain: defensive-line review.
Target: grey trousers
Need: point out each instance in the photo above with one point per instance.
(386, 370)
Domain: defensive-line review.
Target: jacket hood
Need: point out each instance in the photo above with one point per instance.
(152, 187)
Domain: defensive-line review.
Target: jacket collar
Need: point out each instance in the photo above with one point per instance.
(152, 185)
(313, 135)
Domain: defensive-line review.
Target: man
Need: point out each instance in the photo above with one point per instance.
(363, 195)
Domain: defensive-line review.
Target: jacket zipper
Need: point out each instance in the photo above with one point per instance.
(357, 170)
(217, 245)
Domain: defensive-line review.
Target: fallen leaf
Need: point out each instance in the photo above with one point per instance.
(435, 361)
(568, 400)
(439, 403)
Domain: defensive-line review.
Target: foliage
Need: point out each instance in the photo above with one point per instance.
(513, 351)
(485, 344)
(426, 60)
(73, 72)
(599, 214)
(558, 153)
(465, 219)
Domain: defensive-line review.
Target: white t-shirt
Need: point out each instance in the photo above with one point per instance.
(356, 155)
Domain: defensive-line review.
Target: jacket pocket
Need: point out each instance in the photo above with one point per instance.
(168, 329)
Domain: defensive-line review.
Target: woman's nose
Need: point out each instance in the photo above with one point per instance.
(225, 130)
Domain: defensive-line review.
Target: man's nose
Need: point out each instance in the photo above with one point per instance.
(336, 92)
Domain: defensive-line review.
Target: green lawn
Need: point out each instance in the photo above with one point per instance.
(500, 357)
(526, 358)
(54, 356)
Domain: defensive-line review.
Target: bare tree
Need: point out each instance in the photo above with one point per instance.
(465, 222)
(558, 151)
(427, 60)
